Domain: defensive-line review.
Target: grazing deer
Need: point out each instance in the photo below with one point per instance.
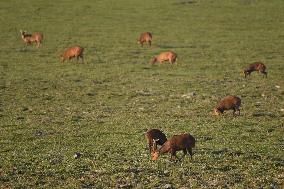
(73, 52)
(155, 135)
(228, 103)
(184, 142)
(165, 56)
(257, 66)
(145, 38)
(30, 38)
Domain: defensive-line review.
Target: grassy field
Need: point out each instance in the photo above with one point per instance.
(102, 108)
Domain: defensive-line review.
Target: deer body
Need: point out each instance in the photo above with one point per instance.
(31, 38)
(257, 66)
(155, 135)
(165, 56)
(228, 103)
(184, 142)
(72, 52)
(145, 38)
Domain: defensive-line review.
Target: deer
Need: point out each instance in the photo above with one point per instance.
(228, 103)
(155, 135)
(30, 38)
(184, 142)
(256, 66)
(145, 38)
(72, 52)
(165, 56)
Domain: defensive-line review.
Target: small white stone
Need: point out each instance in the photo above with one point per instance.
(168, 186)
(277, 86)
(166, 172)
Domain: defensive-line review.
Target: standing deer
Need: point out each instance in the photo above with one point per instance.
(145, 38)
(30, 38)
(257, 66)
(184, 142)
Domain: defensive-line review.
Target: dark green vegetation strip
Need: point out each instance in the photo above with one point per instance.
(49, 110)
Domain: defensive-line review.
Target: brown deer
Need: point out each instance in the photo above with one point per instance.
(165, 56)
(72, 52)
(184, 142)
(228, 103)
(145, 38)
(30, 38)
(257, 66)
(155, 135)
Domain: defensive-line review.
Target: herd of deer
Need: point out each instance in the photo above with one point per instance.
(184, 142)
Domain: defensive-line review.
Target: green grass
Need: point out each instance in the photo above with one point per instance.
(49, 110)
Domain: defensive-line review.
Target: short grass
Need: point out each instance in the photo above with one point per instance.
(102, 108)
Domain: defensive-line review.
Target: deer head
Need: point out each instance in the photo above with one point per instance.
(153, 61)
(216, 112)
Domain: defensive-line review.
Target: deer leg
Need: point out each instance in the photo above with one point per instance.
(175, 61)
(260, 72)
(190, 152)
(239, 111)
(234, 111)
(184, 152)
(150, 43)
(77, 57)
(82, 57)
(173, 155)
